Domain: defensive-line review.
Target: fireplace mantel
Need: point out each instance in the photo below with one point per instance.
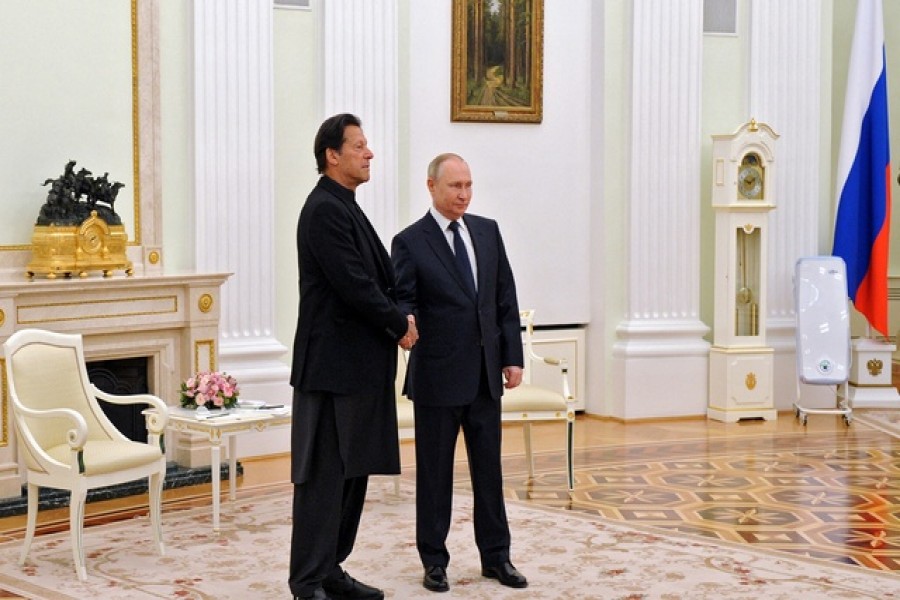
(172, 319)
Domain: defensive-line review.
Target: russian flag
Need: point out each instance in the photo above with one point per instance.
(863, 216)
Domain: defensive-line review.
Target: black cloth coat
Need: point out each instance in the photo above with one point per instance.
(347, 332)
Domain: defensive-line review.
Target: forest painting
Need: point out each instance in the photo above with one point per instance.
(497, 61)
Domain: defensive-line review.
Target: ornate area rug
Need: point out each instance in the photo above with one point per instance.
(882, 419)
(564, 555)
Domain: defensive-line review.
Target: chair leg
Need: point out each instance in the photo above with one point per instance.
(31, 522)
(155, 485)
(526, 431)
(76, 529)
(570, 454)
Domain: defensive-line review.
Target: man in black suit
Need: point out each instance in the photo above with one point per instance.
(345, 360)
(454, 276)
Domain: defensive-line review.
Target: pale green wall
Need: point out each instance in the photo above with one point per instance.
(892, 52)
(66, 95)
(826, 179)
(614, 201)
(177, 126)
(297, 117)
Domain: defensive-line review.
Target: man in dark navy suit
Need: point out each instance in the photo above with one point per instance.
(454, 276)
(345, 361)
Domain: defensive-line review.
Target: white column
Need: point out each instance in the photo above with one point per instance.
(359, 76)
(234, 185)
(785, 84)
(661, 358)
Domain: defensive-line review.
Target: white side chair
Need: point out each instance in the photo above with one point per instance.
(529, 403)
(65, 439)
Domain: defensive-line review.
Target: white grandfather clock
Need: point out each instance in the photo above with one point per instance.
(741, 376)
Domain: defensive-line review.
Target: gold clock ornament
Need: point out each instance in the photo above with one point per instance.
(94, 245)
(77, 229)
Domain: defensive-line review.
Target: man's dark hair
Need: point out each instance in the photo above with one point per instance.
(331, 135)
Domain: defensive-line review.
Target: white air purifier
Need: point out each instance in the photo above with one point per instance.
(823, 329)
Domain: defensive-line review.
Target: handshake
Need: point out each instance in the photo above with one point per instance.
(412, 334)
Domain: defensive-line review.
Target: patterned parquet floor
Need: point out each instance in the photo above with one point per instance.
(833, 495)
(826, 490)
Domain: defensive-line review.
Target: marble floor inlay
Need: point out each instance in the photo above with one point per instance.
(832, 495)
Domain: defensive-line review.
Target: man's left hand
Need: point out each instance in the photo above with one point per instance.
(513, 376)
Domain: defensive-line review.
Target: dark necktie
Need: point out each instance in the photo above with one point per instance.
(462, 257)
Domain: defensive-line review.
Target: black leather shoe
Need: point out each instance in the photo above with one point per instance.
(435, 579)
(347, 588)
(506, 574)
(319, 594)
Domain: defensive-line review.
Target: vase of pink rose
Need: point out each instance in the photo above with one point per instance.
(210, 389)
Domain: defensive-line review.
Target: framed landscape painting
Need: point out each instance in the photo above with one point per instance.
(497, 61)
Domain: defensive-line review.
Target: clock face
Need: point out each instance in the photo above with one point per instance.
(92, 235)
(92, 238)
(750, 183)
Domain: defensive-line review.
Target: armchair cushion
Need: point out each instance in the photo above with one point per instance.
(529, 397)
(405, 416)
(108, 456)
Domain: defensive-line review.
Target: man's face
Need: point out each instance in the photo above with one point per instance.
(451, 190)
(350, 165)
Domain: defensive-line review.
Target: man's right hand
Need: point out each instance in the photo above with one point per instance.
(412, 334)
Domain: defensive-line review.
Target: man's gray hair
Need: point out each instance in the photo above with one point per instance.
(435, 165)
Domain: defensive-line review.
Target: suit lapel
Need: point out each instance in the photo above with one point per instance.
(478, 247)
(438, 242)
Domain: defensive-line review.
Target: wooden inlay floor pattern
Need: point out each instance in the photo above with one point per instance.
(833, 496)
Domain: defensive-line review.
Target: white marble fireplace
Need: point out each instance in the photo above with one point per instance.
(172, 320)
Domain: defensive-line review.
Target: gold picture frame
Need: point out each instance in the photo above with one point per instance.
(497, 61)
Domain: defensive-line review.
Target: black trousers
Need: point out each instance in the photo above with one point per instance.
(437, 430)
(327, 507)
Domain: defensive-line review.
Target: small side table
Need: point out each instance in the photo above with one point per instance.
(229, 425)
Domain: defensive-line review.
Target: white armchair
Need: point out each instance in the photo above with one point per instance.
(529, 403)
(64, 438)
